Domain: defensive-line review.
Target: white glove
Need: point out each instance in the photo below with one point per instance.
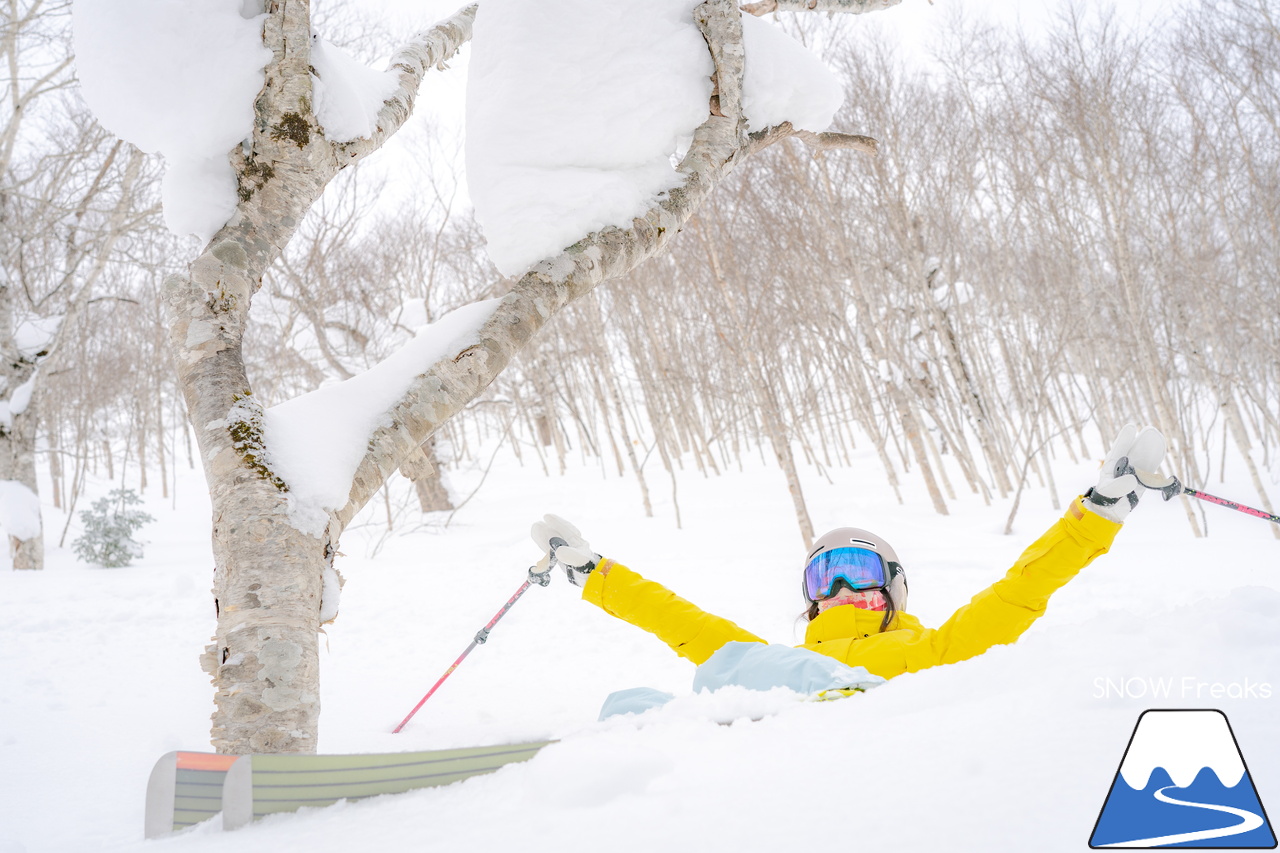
(1118, 488)
(566, 546)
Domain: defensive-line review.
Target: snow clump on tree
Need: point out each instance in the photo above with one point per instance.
(178, 79)
(570, 130)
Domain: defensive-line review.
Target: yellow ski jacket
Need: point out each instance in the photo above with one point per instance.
(997, 615)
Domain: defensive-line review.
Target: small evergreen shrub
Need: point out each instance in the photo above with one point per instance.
(108, 530)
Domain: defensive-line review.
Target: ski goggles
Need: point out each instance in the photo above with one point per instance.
(857, 568)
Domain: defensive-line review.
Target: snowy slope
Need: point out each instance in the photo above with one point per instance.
(1011, 751)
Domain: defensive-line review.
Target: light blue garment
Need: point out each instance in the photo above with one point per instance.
(635, 700)
(758, 666)
(755, 666)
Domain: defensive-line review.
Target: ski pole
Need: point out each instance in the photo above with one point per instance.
(542, 578)
(1172, 488)
(1247, 510)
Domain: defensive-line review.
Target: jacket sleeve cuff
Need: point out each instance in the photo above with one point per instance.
(593, 589)
(1089, 524)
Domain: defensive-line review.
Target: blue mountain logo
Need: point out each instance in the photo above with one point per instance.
(1183, 783)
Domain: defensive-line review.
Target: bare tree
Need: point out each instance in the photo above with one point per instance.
(1067, 233)
(68, 195)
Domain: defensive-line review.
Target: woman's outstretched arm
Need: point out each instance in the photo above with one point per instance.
(690, 631)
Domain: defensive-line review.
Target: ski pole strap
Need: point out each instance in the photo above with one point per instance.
(1123, 467)
(1095, 497)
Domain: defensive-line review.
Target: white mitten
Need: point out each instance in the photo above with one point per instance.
(1118, 488)
(566, 546)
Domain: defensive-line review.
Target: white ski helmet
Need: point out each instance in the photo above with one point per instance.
(895, 587)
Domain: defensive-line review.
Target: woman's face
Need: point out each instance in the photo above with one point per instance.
(863, 599)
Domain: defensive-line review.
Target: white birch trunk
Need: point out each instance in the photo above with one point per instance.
(267, 573)
(19, 449)
(17, 438)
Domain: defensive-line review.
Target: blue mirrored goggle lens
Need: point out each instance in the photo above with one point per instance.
(858, 567)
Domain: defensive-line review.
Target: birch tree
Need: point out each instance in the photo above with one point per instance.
(962, 329)
(273, 574)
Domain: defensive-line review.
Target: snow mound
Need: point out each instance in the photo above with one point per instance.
(577, 108)
(348, 93)
(784, 81)
(17, 403)
(175, 77)
(1003, 751)
(19, 510)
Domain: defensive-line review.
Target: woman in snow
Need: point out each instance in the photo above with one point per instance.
(856, 587)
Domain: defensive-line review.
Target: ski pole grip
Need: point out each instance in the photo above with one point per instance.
(1172, 490)
(555, 544)
(541, 578)
(1168, 490)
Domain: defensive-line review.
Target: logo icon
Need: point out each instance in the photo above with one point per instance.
(1183, 783)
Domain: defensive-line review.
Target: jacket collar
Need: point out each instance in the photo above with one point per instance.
(847, 621)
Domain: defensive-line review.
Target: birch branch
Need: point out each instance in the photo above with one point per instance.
(721, 26)
(427, 49)
(286, 168)
(831, 141)
(849, 7)
(451, 383)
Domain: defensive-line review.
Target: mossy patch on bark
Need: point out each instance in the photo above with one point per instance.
(221, 301)
(246, 428)
(294, 128)
(253, 177)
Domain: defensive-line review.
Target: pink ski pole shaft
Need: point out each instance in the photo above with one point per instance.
(1171, 488)
(540, 578)
(1247, 510)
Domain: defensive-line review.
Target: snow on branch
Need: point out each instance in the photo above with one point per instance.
(430, 48)
(578, 109)
(19, 510)
(177, 79)
(187, 80)
(850, 7)
(315, 441)
(604, 253)
(574, 111)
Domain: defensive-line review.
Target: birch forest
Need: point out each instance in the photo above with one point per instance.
(1056, 235)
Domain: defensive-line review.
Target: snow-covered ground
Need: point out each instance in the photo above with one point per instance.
(1014, 750)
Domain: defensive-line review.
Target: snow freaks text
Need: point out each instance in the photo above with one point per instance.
(1186, 687)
